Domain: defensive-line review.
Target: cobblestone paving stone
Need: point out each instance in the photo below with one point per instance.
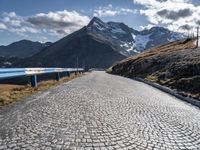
(101, 112)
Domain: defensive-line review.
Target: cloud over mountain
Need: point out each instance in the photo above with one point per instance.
(17, 24)
(58, 23)
(108, 11)
(63, 22)
(2, 26)
(174, 14)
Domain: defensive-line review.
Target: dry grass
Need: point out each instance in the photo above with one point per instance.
(176, 65)
(162, 50)
(11, 93)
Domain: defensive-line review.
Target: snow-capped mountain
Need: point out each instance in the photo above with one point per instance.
(128, 41)
(98, 45)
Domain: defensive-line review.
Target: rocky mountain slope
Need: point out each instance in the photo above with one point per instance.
(128, 41)
(99, 45)
(175, 65)
(79, 48)
(22, 49)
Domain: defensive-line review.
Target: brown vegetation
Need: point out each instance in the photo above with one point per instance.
(176, 65)
(11, 93)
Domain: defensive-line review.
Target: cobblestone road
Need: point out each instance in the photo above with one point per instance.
(102, 112)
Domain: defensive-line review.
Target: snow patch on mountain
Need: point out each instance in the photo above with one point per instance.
(98, 26)
(141, 41)
(134, 36)
(128, 46)
(118, 30)
(175, 36)
(128, 41)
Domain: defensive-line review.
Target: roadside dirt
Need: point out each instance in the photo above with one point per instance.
(10, 93)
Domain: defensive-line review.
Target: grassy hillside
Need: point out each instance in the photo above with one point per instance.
(175, 65)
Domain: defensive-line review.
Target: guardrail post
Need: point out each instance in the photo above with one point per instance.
(34, 81)
(57, 76)
(68, 74)
(33, 72)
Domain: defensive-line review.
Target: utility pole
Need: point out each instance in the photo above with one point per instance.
(76, 62)
(188, 33)
(197, 44)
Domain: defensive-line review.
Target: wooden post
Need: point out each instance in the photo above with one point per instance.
(34, 81)
(77, 65)
(197, 44)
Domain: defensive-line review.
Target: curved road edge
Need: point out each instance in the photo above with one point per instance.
(169, 91)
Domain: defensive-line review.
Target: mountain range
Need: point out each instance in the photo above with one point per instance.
(128, 41)
(22, 49)
(98, 45)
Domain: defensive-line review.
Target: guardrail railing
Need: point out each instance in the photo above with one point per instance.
(33, 72)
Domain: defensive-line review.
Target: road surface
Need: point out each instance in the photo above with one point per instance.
(100, 111)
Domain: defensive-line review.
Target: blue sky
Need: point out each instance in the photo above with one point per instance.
(50, 20)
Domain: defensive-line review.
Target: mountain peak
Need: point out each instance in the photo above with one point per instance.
(96, 20)
(127, 40)
(22, 41)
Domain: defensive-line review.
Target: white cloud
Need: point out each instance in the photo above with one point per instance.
(17, 24)
(11, 14)
(112, 11)
(43, 39)
(2, 26)
(149, 26)
(58, 23)
(178, 15)
(62, 22)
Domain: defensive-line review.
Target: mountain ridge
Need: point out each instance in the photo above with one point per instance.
(78, 45)
(21, 49)
(128, 41)
(175, 65)
(112, 42)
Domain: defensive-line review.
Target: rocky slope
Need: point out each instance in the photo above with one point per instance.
(128, 41)
(22, 49)
(175, 65)
(78, 48)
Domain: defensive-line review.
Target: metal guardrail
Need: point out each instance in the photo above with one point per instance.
(33, 72)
